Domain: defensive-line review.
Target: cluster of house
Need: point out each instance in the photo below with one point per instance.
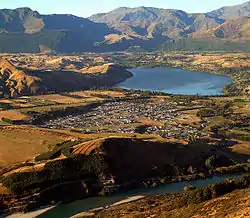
(126, 116)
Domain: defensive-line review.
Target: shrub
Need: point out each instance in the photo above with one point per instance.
(205, 112)
(215, 190)
(74, 168)
(6, 120)
(189, 188)
(238, 168)
(210, 162)
(18, 182)
(1, 178)
(61, 148)
(216, 109)
(66, 152)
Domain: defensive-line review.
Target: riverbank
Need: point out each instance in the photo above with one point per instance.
(32, 214)
(102, 204)
(131, 191)
(224, 199)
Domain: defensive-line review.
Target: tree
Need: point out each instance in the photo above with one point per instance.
(210, 162)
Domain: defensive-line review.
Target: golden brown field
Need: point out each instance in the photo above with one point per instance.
(13, 115)
(18, 146)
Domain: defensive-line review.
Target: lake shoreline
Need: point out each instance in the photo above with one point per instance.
(176, 81)
(194, 69)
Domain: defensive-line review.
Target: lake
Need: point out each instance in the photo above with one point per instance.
(67, 210)
(176, 81)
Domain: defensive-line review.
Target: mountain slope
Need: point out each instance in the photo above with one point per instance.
(232, 12)
(233, 30)
(20, 20)
(146, 23)
(24, 30)
(170, 29)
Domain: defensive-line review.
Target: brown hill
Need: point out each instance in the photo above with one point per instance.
(25, 30)
(86, 78)
(14, 82)
(130, 159)
(104, 164)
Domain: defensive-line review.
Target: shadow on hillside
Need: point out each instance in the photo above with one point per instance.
(65, 81)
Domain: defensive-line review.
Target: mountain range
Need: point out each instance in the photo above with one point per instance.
(143, 28)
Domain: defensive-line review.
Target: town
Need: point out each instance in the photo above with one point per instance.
(139, 116)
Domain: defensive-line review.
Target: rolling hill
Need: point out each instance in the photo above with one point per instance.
(15, 82)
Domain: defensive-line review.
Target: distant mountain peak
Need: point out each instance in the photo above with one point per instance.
(246, 3)
(232, 12)
(24, 9)
(122, 8)
(119, 29)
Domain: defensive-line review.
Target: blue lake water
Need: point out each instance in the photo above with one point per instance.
(176, 81)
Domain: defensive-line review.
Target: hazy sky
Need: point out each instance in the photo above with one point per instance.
(85, 8)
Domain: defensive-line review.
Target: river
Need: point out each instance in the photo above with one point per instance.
(176, 81)
(68, 210)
